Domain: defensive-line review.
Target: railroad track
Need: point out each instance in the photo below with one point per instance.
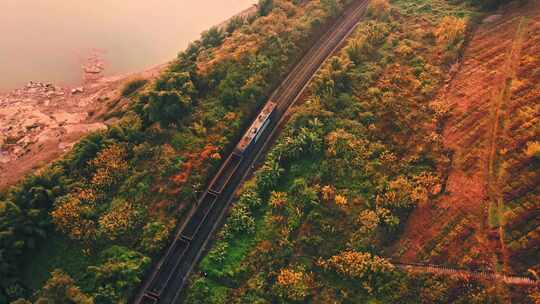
(166, 282)
(468, 274)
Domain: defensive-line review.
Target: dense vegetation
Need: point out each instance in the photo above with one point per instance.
(316, 221)
(94, 220)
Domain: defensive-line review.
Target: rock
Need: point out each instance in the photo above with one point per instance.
(491, 18)
(77, 90)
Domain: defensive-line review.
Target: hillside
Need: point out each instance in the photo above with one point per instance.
(41, 121)
(417, 143)
(388, 160)
(96, 220)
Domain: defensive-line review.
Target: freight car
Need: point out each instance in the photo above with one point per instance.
(175, 253)
(196, 221)
(170, 263)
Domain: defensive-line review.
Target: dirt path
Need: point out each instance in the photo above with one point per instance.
(455, 229)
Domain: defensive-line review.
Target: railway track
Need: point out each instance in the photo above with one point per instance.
(166, 283)
(468, 274)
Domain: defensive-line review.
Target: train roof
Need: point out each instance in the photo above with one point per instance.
(254, 128)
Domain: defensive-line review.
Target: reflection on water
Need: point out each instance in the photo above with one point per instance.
(48, 40)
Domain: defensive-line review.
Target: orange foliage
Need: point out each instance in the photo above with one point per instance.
(194, 161)
(355, 264)
(293, 284)
(110, 166)
(341, 201)
(67, 217)
(118, 220)
(328, 193)
(278, 199)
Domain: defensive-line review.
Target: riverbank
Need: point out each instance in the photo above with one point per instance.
(41, 121)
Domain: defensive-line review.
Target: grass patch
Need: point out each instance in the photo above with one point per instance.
(59, 253)
(433, 9)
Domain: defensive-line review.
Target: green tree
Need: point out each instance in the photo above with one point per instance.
(167, 107)
(119, 274)
(265, 7)
(212, 38)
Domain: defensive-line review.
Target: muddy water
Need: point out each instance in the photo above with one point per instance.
(49, 40)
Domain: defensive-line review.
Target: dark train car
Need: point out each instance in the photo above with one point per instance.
(147, 299)
(195, 222)
(166, 270)
(225, 173)
(257, 128)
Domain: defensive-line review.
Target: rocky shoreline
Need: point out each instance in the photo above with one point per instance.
(41, 121)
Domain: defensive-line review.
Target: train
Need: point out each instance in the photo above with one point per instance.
(181, 244)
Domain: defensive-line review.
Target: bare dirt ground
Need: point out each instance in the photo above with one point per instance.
(454, 229)
(40, 121)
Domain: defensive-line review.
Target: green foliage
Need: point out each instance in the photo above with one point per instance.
(133, 86)
(167, 107)
(347, 170)
(211, 38)
(24, 221)
(201, 102)
(120, 272)
(241, 221)
(171, 99)
(265, 6)
(155, 235)
(234, 24)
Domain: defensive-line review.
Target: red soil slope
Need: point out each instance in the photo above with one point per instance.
(455, 229)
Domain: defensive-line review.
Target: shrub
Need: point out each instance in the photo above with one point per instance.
(166, 107)
(373, 271)
(70, 217)
(241, 221)
(120, 272)
(120, 219)
(132, 86)
(212, 38)
(61, 288)
(265, 6)
(110, 166)
(450, 34)
(379, 9)
(154, 236)
(533, 149)
(292, 284)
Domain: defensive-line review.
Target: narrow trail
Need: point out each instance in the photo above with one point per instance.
(496, 177)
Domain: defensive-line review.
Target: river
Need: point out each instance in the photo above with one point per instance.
(49, 40)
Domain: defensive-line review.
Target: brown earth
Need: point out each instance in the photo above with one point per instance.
(41, 121)
(454, 229)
